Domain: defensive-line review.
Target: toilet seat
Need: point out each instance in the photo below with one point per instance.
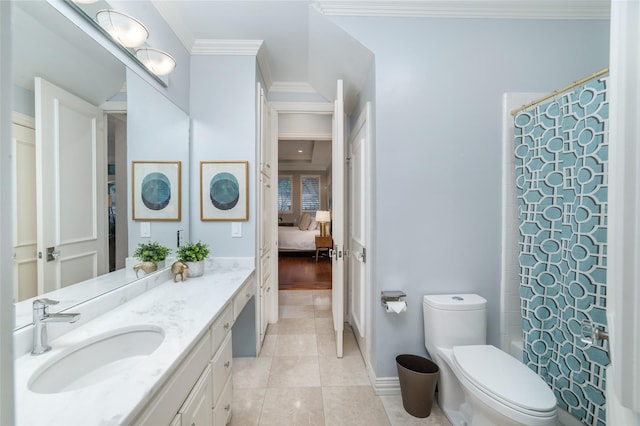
(504, 379)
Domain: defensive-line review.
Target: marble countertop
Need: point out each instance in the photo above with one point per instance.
(183, 310)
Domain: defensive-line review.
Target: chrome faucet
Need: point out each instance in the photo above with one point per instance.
(41, 317)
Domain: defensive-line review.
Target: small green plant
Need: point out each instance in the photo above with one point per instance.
(151, 252)
(193, 252)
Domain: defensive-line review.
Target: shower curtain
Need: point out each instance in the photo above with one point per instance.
(561, 179)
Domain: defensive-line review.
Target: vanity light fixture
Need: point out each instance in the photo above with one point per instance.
(125, 29)
(158, 62)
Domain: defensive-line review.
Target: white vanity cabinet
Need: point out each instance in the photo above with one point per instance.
(200, 391)
(196, 410)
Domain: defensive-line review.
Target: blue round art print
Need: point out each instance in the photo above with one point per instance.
(224, 191)
(156, 191)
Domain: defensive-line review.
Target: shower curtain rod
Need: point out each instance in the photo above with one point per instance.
(559, 91)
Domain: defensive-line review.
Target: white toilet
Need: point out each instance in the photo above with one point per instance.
(479, 384)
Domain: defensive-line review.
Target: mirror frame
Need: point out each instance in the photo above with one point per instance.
(123, 49)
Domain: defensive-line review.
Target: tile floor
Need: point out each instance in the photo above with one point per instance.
(297, 379)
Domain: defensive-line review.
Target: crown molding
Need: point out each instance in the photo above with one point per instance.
(226, 47)
(263, 64)
(291, 87)
(498, 9)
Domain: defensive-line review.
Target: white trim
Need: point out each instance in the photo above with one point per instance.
(386, 386)
(113, 107)
(23, 120)
(522, 9)
(304, 136)
(263, 64)
(291, 87)
(303, 107)
(226, 47)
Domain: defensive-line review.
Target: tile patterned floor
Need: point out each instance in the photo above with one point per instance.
(297, 379)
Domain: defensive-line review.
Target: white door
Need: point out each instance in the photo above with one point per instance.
(337, 220)
(71, 188)
(358, 212)
(25, 266)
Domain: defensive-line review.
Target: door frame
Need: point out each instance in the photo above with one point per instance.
(277, 108)
(364, 343)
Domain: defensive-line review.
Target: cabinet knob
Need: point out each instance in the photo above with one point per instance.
(226, 326)
(227, 364)
(248, 295)
(227, 407)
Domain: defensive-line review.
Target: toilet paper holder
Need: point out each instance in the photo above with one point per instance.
(391, 296)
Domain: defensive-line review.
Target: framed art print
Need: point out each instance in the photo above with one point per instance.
(156, 190)
(224, 191)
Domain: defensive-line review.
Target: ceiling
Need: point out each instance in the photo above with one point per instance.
(300, 49)
(303, 51)
(304, 155)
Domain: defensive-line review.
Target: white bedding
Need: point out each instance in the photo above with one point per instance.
(291, 238)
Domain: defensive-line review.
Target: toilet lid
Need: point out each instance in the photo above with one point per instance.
(500, 374)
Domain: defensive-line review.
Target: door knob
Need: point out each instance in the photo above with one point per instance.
(52, 254)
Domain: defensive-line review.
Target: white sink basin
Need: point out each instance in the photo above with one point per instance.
(97, 359)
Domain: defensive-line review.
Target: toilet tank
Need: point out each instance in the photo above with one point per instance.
(454, 320)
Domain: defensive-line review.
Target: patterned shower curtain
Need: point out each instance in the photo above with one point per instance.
(561, 178)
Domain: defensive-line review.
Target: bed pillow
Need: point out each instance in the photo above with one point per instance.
(305, 221)
(313, 225)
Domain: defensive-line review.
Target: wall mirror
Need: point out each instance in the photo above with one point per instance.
(77, 191)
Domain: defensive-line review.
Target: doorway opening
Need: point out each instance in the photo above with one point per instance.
(304, 190)
(117, 189)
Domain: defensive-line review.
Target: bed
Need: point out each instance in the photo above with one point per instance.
(291, 238)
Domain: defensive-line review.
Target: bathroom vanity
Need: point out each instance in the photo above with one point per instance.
(163, 357)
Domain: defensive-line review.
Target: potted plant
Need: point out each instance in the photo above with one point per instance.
(151, 255)
(193, 254)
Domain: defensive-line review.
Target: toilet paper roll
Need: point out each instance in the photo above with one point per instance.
(396, 307)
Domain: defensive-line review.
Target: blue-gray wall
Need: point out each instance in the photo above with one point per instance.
(223, 120)
(437, 170)
(157, 130)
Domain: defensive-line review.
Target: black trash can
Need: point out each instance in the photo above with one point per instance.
(418, 377)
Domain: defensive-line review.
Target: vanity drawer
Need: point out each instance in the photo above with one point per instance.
(177, 420)
(221, 327)
(222, 364)
(222, 412)
(242, 297)
(196, 410)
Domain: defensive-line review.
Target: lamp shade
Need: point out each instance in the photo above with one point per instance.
(158, 62)
(125, 29)
(323, 216)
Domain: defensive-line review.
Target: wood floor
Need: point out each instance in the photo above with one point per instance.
(300, 271)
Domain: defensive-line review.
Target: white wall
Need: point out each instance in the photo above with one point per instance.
(437, 170)
(223, 114)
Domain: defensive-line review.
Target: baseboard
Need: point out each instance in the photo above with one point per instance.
(386, 386)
